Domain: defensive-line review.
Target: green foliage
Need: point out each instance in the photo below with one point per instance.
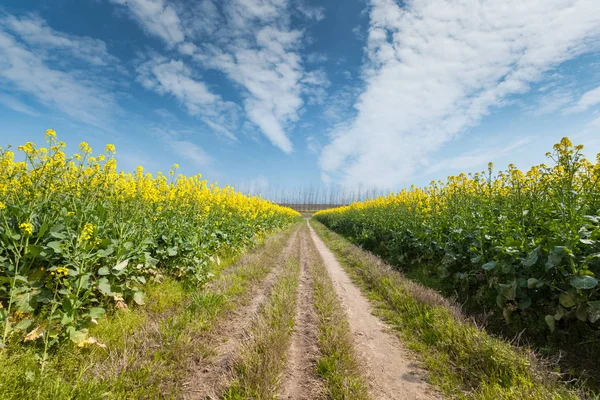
(78, 238)
(464, 361)
(526, 243)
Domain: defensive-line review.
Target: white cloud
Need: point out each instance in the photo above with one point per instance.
(551, 101)
(589, 99)
(173, 77)
(60, 86)
(316, 58)
(190, 151)
(156, 17)
(53, 44)
(310, 12)
(338, 106)
(251, 41)
(165, 114)
(436, 67)
(260, 53)
(174, 141)
(17, 105)
(477, 158)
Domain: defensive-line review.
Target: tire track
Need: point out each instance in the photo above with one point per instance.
(300, 381)
(391, 373)
(212, 375)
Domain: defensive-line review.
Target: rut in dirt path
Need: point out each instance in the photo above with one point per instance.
(391, 373)
(212, 375)
(300, 381)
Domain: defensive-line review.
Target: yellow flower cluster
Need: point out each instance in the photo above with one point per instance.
(26, 228)
(86, 184)
(87, 232)
(64, 271)
(483, 186)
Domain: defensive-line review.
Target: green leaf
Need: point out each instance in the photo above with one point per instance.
(66, 319)
(594, 311)
(24, 324)
(34, 250)
(531, 282)
(104, 286)
(138, 298)
(58, 235)
(43, 229)
(121, 266)
(567, 299)
(172, 251)
(555, 257)
(525, 303)
(508, 290)
(587, 241)
(581, 313)
(55, 246)
(96, 312)
(76, 336)
(551, 322)
(107, 252)
(23, 303)
(583, 282)
(83, 282)
(531, 259)
(489, 266)
(103, 271)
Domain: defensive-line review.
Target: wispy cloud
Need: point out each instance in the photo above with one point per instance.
(27, 65)
(477, 158)
(156, 17)
(181, 147)
(587, 100)
(17, 105)
(437, 67)
(259, 51)
(56, 45)
(311, 12)
(173, 77)
(270, 75)
(251, 41)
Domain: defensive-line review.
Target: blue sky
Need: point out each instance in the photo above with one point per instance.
(286, 93)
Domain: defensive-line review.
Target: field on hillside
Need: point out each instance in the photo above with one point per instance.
(78, 237)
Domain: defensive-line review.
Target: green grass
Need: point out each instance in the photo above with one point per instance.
(337, 364)
(147, 349)
(463, 360)
(263, 357)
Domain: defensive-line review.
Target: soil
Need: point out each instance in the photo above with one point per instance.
(390, 370)
(210, 376)
(300, 381)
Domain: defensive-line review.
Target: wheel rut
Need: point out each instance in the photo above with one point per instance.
(212, 375)
(391, 372)
(300, 381)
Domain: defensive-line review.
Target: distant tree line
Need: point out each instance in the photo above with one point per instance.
(313, 197)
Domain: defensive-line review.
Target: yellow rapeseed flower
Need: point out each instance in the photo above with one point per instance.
(50, 133)
(85, 148)
(110, 148)
(87, 232)
(26, 228)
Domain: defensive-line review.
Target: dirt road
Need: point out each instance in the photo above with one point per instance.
(306, 372)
